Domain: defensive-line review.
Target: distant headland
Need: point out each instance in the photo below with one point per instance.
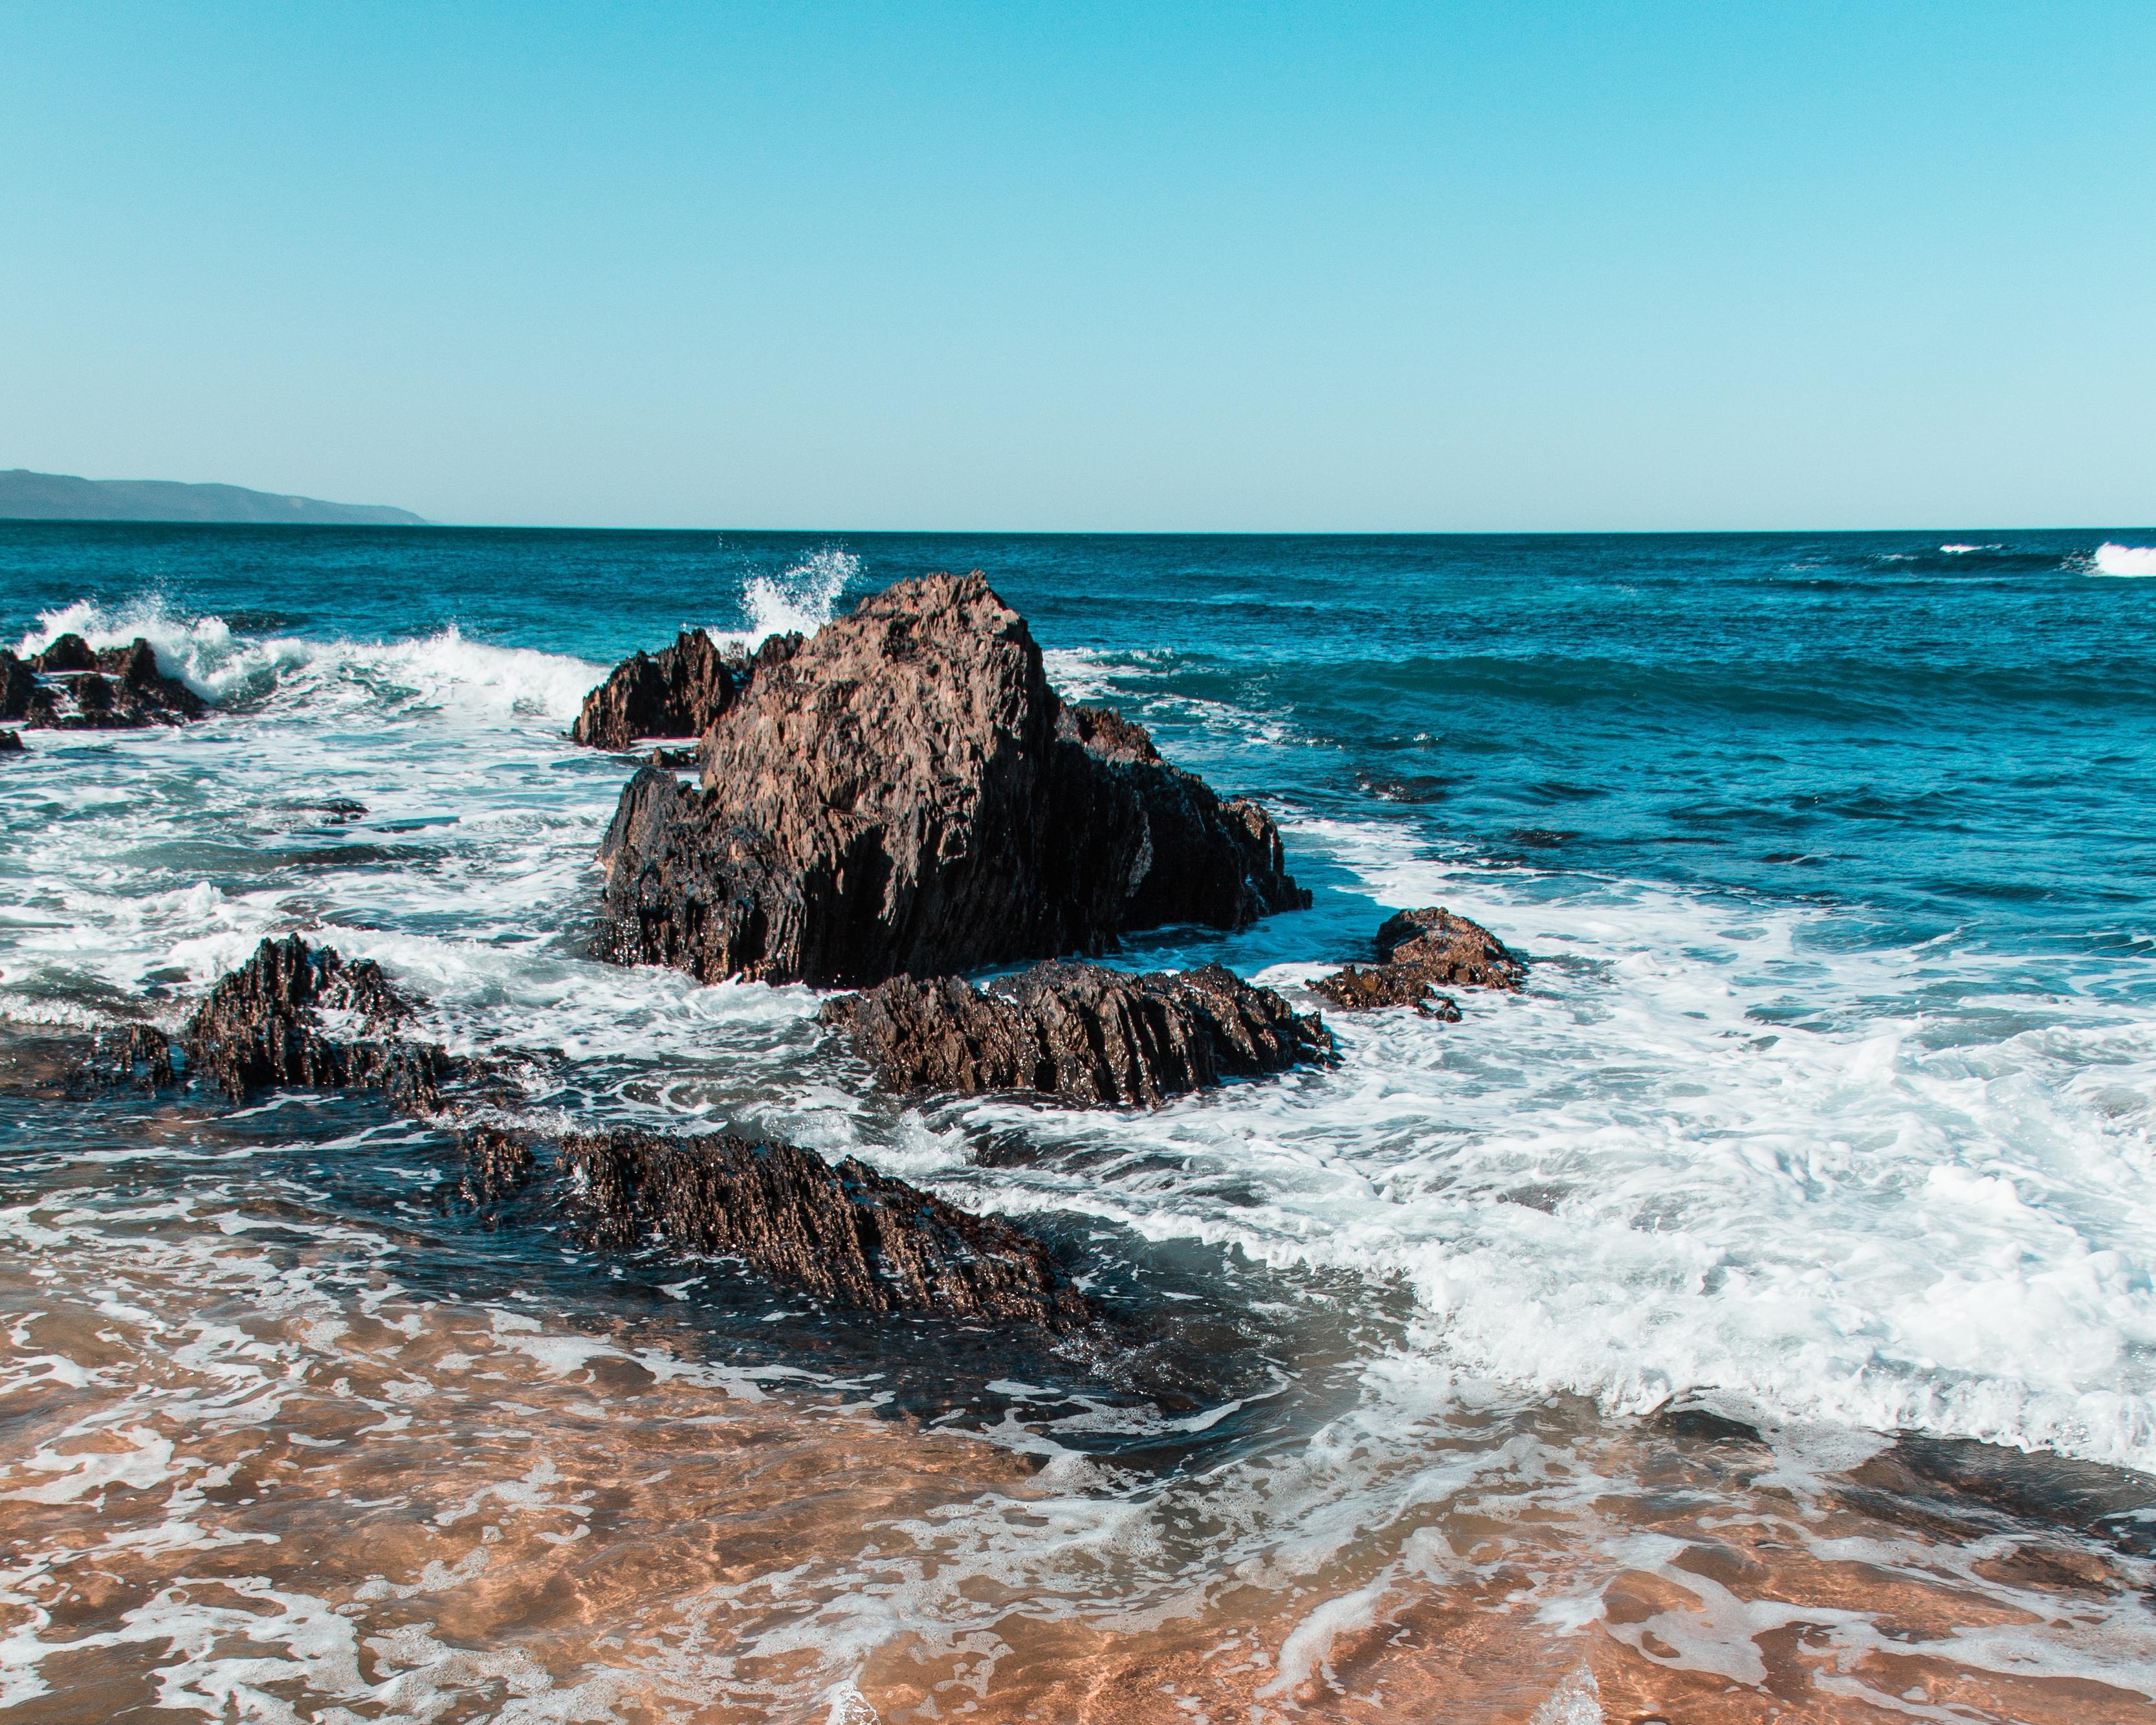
(61, 497)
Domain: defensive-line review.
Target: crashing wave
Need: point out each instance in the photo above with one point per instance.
(2113, 559)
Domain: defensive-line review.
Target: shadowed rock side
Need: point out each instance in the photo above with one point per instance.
(906, 794)
(847, 1233)
(70, 687)
(1084, 1034)
(269, 1023)
(1420, 950)
(679, 690)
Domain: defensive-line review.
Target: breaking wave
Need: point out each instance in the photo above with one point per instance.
(2125, 559)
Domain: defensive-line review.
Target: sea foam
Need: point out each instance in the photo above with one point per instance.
(2112, 559)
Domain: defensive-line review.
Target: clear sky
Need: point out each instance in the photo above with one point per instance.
(1256, 267)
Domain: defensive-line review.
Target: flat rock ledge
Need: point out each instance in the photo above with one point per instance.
(679, 690)
(1081, 1034)
(293, 1016)
(1418, 951)
(904, 793)
(846, 1233)
(70, 687)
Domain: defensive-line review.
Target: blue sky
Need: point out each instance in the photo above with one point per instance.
(1136, 268)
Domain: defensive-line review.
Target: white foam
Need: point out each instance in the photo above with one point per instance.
(2125, 559)
(798, 601)
(443, 671)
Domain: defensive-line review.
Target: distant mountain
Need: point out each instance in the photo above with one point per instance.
(26, 496)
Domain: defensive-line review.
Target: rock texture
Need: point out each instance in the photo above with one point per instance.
(904, 793)
(11, 742)
(679, 690)
(301, 1016)
(1087, 1035)
(70, 687)
(1418, 952)
(848, 1233)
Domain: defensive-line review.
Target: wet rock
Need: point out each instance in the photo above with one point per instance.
(11, 742)
(302, 1016)
(68, 687)
(19, 689)
(1419, 950)
(848, 1233)
(136, 1056)
(498, 1165)
(1367, 988)
(1082, 1034)
(67, 653)
(904, 793)
(678, 692)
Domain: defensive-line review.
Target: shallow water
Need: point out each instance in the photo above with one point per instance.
(1826, 1109)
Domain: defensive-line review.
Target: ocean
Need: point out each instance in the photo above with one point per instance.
(1752, 1319)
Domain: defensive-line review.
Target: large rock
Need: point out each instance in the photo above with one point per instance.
(1419, 952)
(906, 794)
(302, 1017)
(1082, 1034)
(848, 1233)
(70, 687)
(679, 690)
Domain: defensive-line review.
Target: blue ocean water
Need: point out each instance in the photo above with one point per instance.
(1829, 1100)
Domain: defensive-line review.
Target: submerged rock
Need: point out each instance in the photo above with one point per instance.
(678, 692)
(1083, 1033)
(302, 1016)
(847, 1233)
(904, 793)
(69, 687)
(1418, 951)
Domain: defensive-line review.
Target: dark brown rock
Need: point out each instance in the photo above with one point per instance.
(68, 687)
(848, 1233)
(678, 692)
(1420, 950)
(498, 1165)
(904, 793)
(19, 688)
(1084, 1034)
(67, 653)
(262, 1026)
(1446, 948)
(1364, 988)
(11, 742)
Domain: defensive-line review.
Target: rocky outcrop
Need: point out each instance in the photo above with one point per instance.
(847, 1234)
(679, 690)
(70, 687)
(301, 1016)
(1418, 951)
(1082, 1034)
(904, 793)
(11, 742)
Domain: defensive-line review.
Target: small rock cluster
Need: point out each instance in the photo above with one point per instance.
(1418, 951)
(71, 687)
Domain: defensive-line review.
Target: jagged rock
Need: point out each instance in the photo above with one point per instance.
(302, 1016)
(1450, 949)
(1418, 950)
(137, 1056)
(67, 653)
(1084, 1034)
(11, 742)
(677, 691)
(1364, 988)
(906, 794)
(498, 1165)
(847, 1233)
(68, 687)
